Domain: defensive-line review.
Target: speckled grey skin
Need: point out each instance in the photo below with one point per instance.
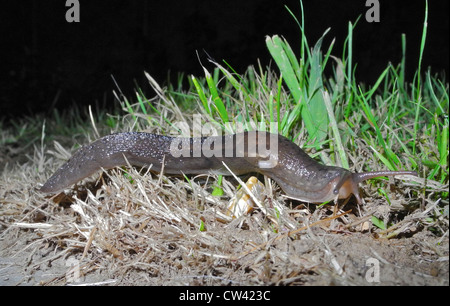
(300, 176)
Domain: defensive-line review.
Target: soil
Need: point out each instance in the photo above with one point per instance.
(154, 230)
(315, 257)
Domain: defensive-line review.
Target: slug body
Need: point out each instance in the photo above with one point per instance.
(300, 176)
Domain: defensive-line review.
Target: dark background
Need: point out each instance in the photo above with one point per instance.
(47, 62)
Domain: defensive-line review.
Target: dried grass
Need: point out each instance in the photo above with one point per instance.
(146, 228)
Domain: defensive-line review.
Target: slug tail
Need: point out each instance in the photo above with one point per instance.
(85, 162)
(70, 173)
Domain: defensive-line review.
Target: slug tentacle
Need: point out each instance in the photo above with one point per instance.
(300, 176)
(359, 177)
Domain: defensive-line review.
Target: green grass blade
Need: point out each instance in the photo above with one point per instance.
(217, 101)
(201, 95)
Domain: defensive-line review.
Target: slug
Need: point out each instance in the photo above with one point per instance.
(300, 176)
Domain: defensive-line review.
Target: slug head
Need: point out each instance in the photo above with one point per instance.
(326, 185)
(348, 184)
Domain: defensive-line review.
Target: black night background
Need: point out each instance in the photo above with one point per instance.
(47, 62)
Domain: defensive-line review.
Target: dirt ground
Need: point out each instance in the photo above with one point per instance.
(158, 230)
(326, 259)
(40, 247)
